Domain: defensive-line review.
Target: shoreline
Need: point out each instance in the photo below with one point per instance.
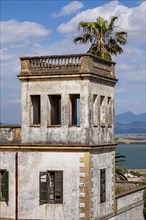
(130, 141)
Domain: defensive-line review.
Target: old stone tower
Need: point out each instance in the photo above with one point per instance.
(66, 160)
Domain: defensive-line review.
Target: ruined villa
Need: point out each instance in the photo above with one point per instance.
(60, 163)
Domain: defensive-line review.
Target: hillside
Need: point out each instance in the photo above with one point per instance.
(129, 117)
(129, 123)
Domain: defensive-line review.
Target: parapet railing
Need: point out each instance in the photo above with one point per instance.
(83, 63)
(54, 61)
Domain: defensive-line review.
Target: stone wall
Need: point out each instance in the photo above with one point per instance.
(100, 161)
(129, 205)
(10, 134)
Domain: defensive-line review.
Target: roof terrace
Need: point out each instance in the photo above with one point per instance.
(82, 64)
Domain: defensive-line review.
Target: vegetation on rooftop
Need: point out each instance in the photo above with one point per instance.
(105, 37)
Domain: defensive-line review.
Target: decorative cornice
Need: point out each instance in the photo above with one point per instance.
(58, 148)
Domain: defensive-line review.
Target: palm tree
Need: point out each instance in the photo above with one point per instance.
(105, 37)
(119, 171)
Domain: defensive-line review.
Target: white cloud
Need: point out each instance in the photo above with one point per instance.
(17, 39)
(69, 9)
(13, 31)
(131, 20)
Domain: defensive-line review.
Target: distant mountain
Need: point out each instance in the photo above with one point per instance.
(129, 117)
(131, 128)
(129, 123)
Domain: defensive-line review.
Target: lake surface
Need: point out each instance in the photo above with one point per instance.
(135, 155)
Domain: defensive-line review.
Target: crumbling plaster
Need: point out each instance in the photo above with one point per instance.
(86, 133)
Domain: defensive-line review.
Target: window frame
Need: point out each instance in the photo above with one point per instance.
(102, 111)
(4, 176)
(45, 189)
(52, 119)
(110, 111)
(102, 185)
(74, 109)
(96, 110)
(32, 110)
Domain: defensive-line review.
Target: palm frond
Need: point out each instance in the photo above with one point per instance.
(105, 40)
(112, 23)
(121, 37)
(83, 39)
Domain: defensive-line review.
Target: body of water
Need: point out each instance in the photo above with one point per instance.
(135, 155)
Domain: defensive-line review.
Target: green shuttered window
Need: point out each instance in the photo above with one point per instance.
(51, 187)
(4, 185)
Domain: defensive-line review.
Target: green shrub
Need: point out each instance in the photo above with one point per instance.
(144, 208)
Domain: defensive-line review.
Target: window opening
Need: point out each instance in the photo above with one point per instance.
(95, 110)
(51, 187)
(4, 185)
(35, 109)
(102, 110)
(109, 114)
(75, 109)
(102, 185)
(55, 109)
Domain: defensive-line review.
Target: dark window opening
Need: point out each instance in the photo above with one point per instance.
(4, 185)
(75, 109)
(109, 100)
(55, 107)
(51, 187)
(35, 110)
(102, 185)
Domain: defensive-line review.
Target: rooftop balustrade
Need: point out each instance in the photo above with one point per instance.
(67, 64)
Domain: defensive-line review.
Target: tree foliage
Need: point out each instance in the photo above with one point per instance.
(105, 37)
(119, 171)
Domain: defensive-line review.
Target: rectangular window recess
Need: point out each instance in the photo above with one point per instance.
(54, 116)
(102, 111)
(51, 187)
(35, 110)
(75, 110)
(102, 185)
(95, 111)
(108, 100)
(4, 186)
(101, 100)
(109, 113)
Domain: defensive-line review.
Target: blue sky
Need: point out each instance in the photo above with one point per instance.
(44, 27)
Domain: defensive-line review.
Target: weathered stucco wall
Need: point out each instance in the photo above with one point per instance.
(30, 164)
(131, 198)
(7, 161)
(9, 134)
(81, 181)
(103, 161)
(86, 133)
(129, 205)
(135, 213)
